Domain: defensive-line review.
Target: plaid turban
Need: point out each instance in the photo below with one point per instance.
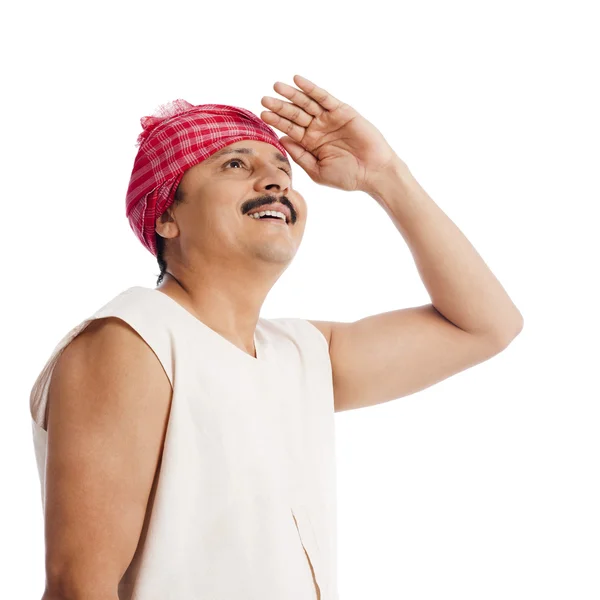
(177, 137)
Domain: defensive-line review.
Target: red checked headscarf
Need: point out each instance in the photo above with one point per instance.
(178, 137)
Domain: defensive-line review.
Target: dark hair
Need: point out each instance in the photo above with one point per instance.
(160, 241)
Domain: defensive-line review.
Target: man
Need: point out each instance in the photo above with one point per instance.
(188, 443)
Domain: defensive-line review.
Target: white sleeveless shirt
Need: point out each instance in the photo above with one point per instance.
(243, 504)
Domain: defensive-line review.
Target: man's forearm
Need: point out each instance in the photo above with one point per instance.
(461, 286)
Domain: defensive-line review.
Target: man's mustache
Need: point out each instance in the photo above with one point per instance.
(268, 200)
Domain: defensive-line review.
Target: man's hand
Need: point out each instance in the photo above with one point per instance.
(335, 145)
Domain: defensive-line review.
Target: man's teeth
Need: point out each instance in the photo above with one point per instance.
(272, 213)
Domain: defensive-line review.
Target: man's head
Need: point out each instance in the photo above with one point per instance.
(199, 172)
(209, 220)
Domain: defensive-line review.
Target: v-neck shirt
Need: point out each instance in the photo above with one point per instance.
(243, 503)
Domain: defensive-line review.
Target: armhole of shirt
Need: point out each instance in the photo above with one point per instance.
(156, 337)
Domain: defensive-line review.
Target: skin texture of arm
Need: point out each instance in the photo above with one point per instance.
(109, 403)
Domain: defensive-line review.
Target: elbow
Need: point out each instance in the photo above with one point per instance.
(505, 337)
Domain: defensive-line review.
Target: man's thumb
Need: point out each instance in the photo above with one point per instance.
(300, 155)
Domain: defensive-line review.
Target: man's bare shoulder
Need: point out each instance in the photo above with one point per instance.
(105, 331)
(110, 347)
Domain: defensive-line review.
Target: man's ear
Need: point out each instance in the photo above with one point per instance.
(165, 225)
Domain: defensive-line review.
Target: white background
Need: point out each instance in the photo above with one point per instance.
(484, 486)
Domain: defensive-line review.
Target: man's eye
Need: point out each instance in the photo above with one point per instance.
(234, 160)
(238, 160)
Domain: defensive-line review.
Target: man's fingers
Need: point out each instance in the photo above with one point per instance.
(323, 97)
(292, 112)
(291, 129)
(311, 106)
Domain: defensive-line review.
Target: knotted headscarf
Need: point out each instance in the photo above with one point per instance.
(178, 136)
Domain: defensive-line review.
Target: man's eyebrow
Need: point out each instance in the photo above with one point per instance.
(278, 156)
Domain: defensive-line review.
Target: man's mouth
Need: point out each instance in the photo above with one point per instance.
(270, 215)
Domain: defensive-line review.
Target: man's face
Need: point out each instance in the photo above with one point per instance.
(219, 193)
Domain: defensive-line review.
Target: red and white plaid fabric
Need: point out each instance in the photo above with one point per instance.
(176, 138)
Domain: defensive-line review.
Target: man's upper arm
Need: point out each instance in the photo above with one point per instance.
(389, 355)
(109, 401)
